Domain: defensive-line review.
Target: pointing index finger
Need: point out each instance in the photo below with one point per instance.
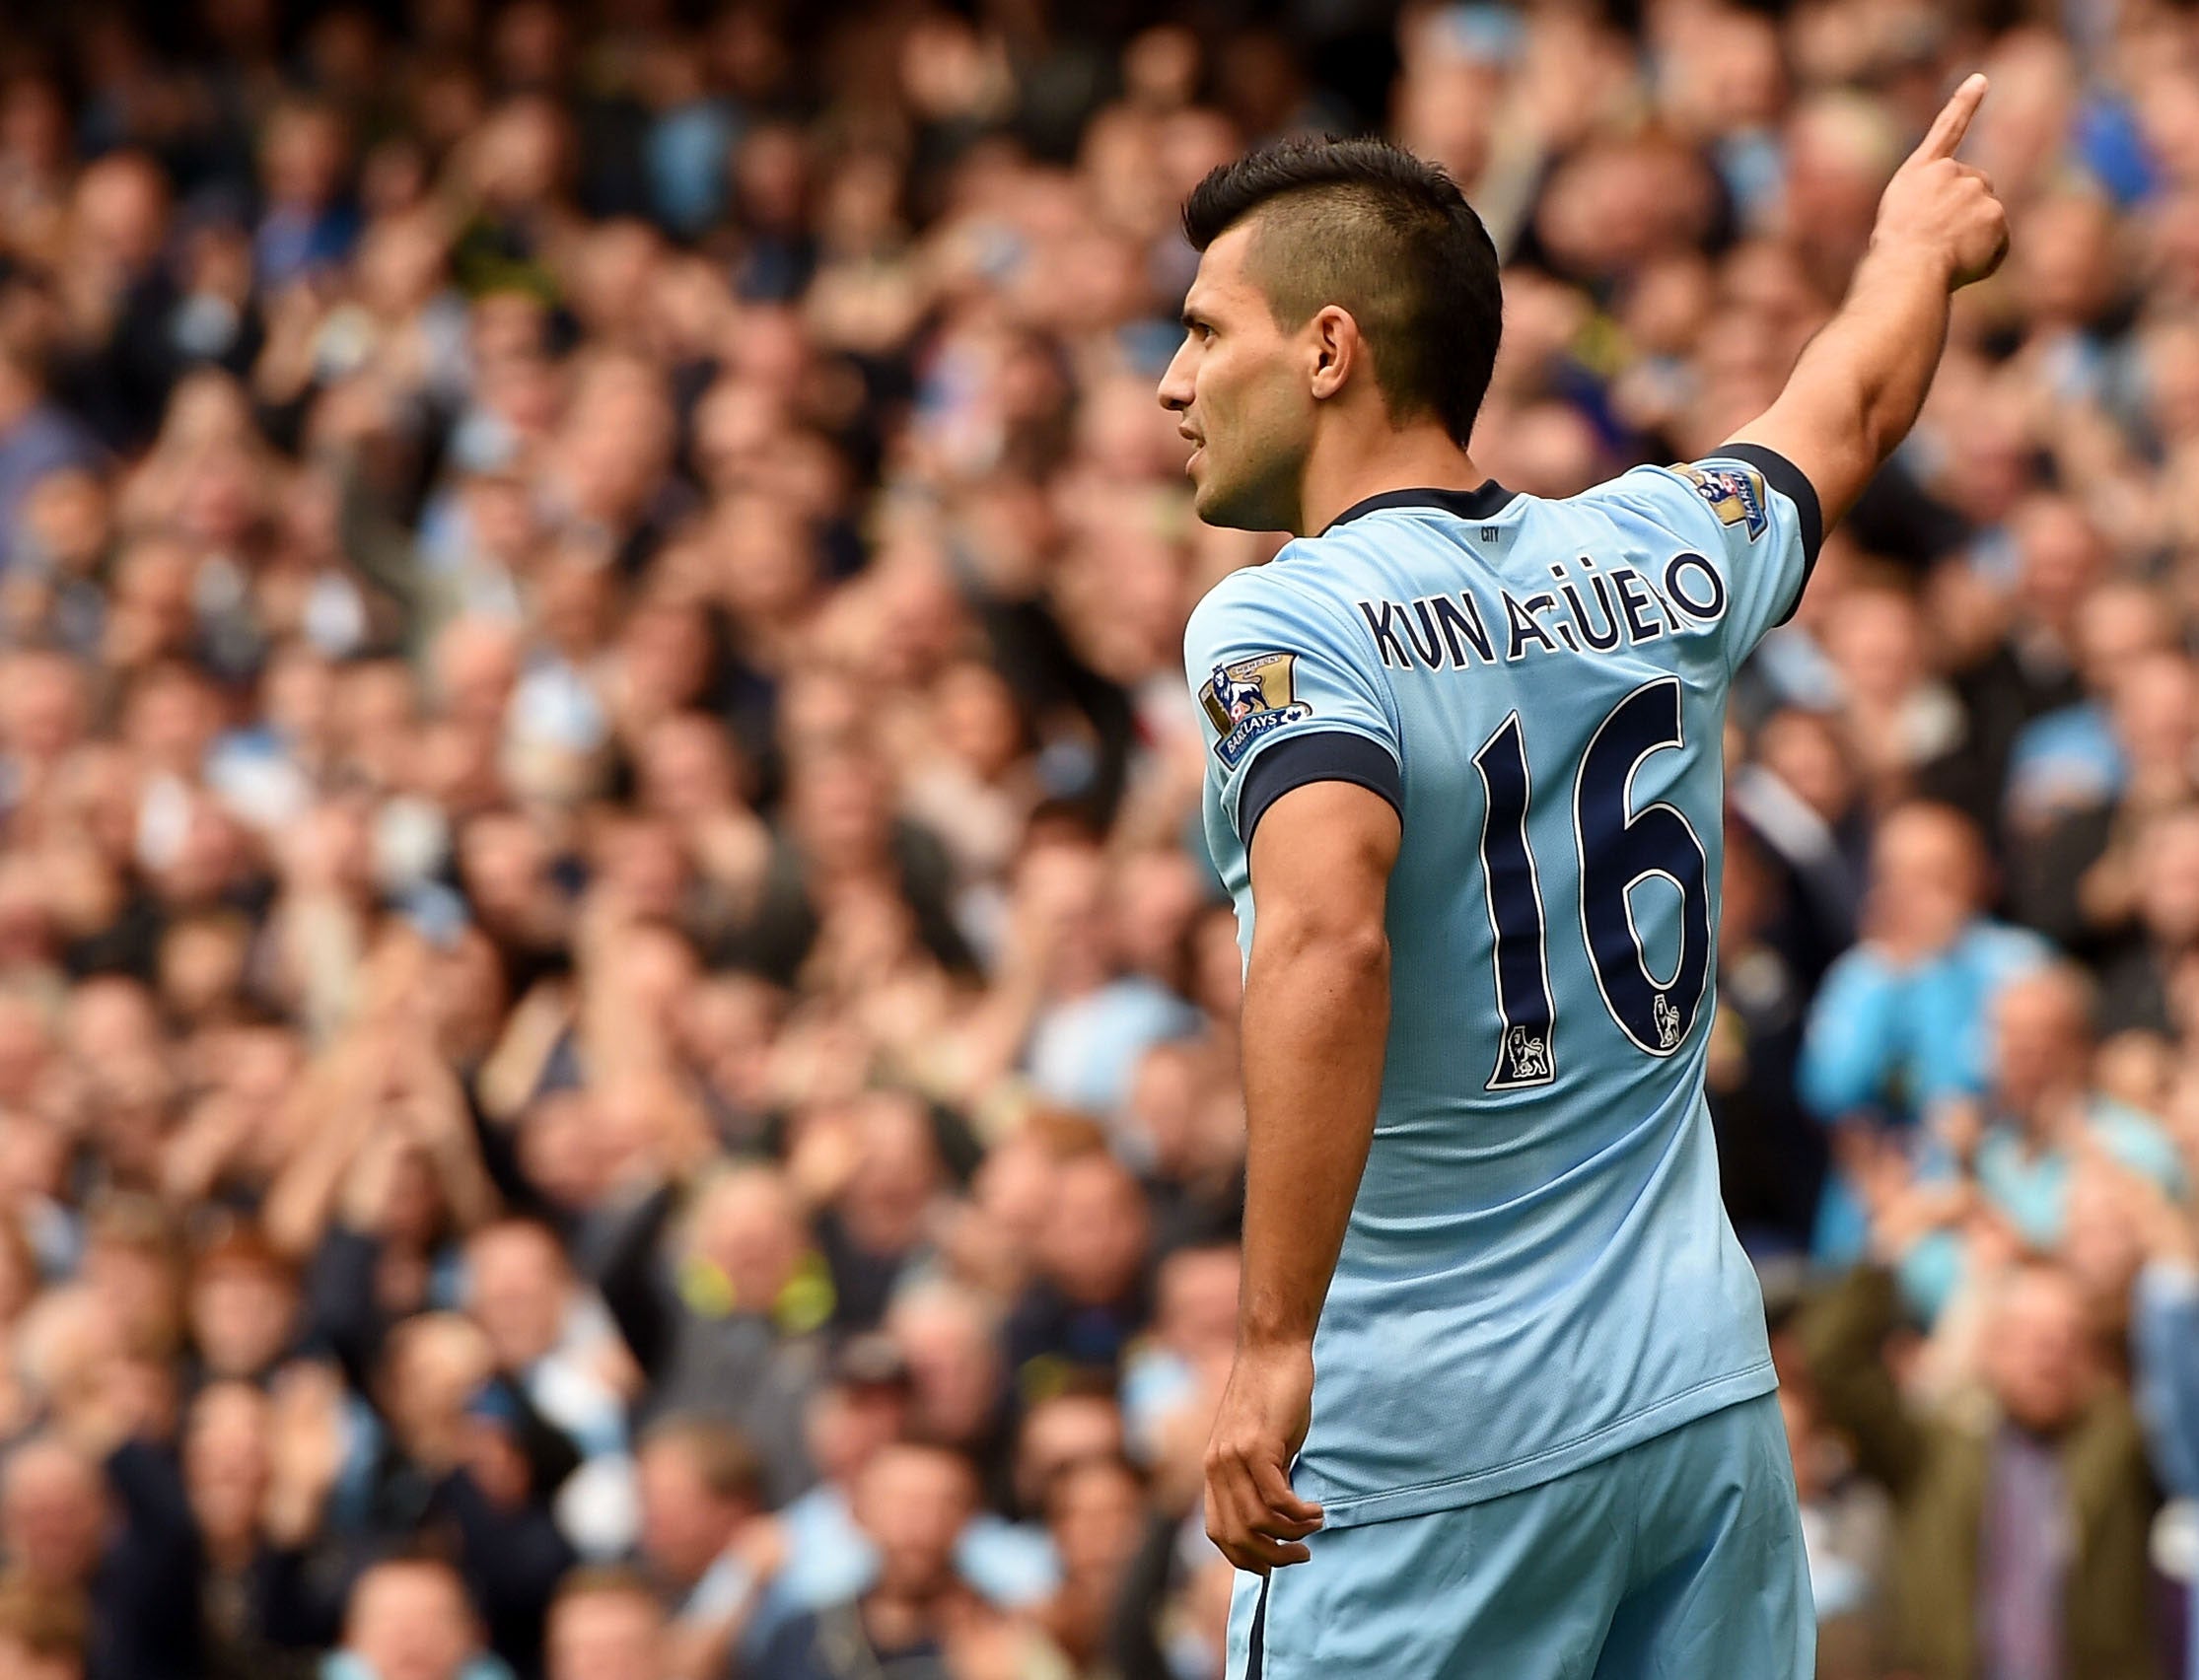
(1953, 120)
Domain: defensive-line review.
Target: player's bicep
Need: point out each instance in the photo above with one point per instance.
(1320, 862)
(1826, 444)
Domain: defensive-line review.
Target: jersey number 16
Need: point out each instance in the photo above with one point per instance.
(1620, 849)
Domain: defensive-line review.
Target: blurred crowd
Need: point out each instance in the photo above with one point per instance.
(617, 1051)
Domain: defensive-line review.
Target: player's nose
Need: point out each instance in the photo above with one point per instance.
(1175, 388)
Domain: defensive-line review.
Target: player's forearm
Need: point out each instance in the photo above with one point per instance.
(1865, 375)
(1859, 386)
(1317, 1019)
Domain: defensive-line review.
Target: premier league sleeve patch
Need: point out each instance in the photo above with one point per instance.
(1248, 699)
(1736, 494)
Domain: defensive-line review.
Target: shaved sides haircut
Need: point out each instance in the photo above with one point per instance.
(1383, 236)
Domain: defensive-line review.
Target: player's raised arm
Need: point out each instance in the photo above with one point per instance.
(1856, 389)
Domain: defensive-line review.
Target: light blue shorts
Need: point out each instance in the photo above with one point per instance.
(1680, 1559)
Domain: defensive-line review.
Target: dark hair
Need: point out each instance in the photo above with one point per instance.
(1375, 230)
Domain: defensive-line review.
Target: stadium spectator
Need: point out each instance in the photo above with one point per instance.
(241, 1305)
(605, 1624)
(1082, 1312)
(1095, 1508)
(871, 1228)
(701, 1493)
(1900, 1021)
(2074, 882)
(409, 1619)
(53, 1517)
(736, 1336)
(912, 1503)
(2165, 1335)
(1845, 1523)
(38, 440)
(1980, 1584)
(521, 1292)
(2018, 1147)
(1771, 1152)
(2145, 968)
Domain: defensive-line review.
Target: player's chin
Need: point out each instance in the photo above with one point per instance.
(1212, 501)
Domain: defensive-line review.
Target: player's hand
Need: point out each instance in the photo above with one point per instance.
(1252, 1515)
(1941, 208)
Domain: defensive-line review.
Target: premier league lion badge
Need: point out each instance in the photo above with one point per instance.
(1247, 699)
(1736, 494)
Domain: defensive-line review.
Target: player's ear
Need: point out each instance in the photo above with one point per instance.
(1335, 344)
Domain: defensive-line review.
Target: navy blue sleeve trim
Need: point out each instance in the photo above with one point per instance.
(1322, 755)
(1784, 476)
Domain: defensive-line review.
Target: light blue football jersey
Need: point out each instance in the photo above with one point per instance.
(1539, 1271)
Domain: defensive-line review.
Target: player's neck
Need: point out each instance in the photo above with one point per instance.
(1353, 466)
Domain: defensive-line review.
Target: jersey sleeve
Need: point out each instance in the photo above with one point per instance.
(1286, 698)
(1752, 513)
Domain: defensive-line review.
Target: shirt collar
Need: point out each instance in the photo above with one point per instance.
(1485, 501)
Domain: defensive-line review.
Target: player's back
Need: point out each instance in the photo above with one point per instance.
(1538, 1271)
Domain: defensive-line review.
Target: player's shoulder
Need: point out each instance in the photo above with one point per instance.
(1735, 484)
(1660, 484)
(1263, 598)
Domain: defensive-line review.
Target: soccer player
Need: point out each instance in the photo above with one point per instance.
(1502, 1391)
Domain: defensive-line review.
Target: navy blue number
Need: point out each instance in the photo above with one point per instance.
(1620, 848)
(1523, 1007)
